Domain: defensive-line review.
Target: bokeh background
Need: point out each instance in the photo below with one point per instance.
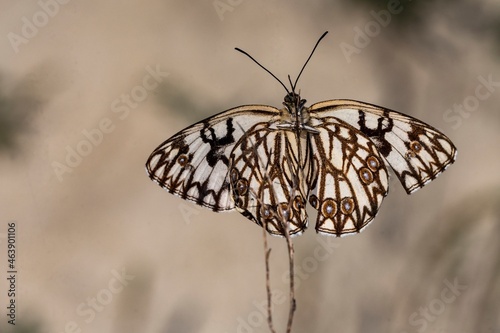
(101, 248)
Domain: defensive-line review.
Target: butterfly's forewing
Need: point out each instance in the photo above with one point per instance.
(194, 163)
(416, 152)
(350, 179)
(267, 179)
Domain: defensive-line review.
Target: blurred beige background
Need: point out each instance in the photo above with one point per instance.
(101, 248)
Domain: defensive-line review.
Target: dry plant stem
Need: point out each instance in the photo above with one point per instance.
(267, 253)
(289, 244)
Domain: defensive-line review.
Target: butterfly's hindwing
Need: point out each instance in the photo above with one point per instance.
(416, 152)
(194, 163)
(350, 179)
(266, 179)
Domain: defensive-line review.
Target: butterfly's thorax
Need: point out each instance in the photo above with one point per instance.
(295, 115)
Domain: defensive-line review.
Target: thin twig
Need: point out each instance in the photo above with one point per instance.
(291, 312)
(289, 244)
(267, 253)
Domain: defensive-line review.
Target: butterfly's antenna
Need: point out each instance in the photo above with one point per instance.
(248, 55)
(291, 84)
(314, 49)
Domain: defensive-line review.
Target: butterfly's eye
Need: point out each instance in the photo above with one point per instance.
(416, 146)
(235, 175)
(366, 175)
(372, 163)
(284, 211)
(183, 160)
(410, 154)
(242, 186)
(298, 203)
(329, 208)
(313, 200)
(347, 206)
(266, 212)
(302, 103)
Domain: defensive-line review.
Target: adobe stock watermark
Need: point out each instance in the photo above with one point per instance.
(303, 271)
(483, 91)
(89, 309)
(363, 37)
(121, 107)
(428, 314)
(31, 27)
(223, 6)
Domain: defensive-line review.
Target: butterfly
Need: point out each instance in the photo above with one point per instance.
(268, 163)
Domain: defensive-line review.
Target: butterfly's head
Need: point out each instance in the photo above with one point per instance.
(293, 102)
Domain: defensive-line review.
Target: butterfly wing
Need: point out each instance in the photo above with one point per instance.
(267, 178)
(194, 163)
(417, 152)
(349, 179)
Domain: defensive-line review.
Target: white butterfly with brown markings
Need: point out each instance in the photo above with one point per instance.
(268, 163)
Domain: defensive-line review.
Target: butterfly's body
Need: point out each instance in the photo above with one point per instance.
(268, 163)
